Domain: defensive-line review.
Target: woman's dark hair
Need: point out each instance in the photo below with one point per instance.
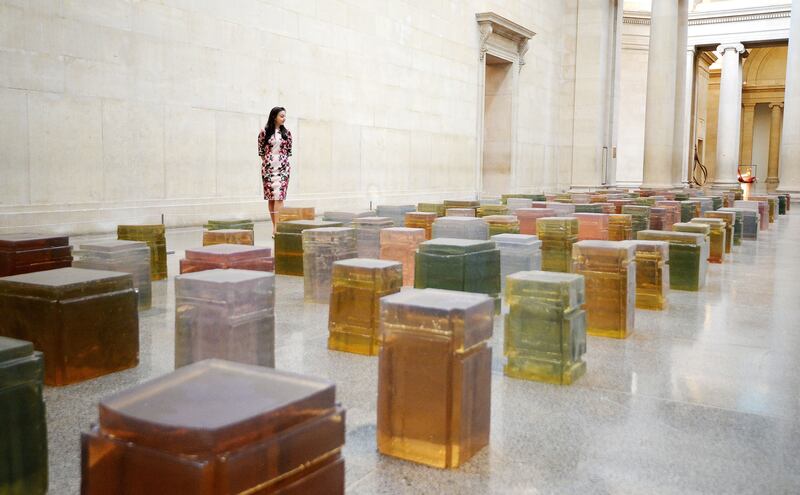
(270, 127)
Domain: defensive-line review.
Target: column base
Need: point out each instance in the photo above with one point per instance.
(656, 186)
(726, 183)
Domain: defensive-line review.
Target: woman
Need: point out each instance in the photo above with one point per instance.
(275, 148)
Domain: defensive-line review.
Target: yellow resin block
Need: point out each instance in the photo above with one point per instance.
(717, 237)
(290, 213)
(358, 285)
(228, 236)
(729, 217)
(609, 270)
(652, 274)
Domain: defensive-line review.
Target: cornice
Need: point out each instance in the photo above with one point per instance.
(698, 19)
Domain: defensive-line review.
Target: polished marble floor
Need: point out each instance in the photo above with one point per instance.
(703, 398)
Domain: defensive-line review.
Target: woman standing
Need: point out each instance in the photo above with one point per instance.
(275, 148)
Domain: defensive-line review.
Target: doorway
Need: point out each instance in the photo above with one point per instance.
(497, 127)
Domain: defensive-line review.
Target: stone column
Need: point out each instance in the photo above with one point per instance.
(774, 144)
(687, 159)
(659, 126)
(684, 72)
(730, 110)
(790, 138)
(748, 114)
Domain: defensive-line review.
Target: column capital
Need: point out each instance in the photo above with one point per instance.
(750, 105)
(776, 104)
(691, 49)
(738, 47)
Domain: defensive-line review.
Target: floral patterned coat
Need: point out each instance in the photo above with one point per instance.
(275, 176)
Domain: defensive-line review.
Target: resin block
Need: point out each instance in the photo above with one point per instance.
(458, 264)
(120, 256)
(229, 223)
(321, 248)
(658, 218)
(518, 253)
(672, 215)
(772, 206)
(528, 216)
(26, 253)
(515, 204)
(488, 209)
(608, 208)
(84, 321)
(291, 213)
(396, 213)
(696, 228)
(461, 228)
(640, 217)
(358, 286)
(400, 244)
(557, 234)
(460, 212)
(751, 219)
(545, 328)
(782, 203)
(421, 220)
(652, 274)
(592, 226)
(434, 376)
(228, 236)
(368, 235)
(717, 237)
(502, 224)
(561, 209)
(530, 197)
(619, 203)
(688, 257)
(225, 314)
(588, 208)
(461, 204)
(345, 217)
(437, 208)
(23, 430)
(580, 198)
(154, 236)
(738, 221)
(609, 270)
(620, 227)
(221, 427)
(289, 244)
(224, 256)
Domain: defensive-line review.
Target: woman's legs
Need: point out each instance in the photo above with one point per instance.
(277, 205)
(272, 214)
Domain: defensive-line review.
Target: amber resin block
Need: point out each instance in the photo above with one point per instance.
(289, 244)
(609, 269)
(487, 210)
(226, 256)
(26, 253)
(225, 314)
(729, 217)
(291, 213)
(120, 256)
(219, 428)
(688, 257)
(620, 227)
(358, 285)
(502, 224)
(23, 431)
(421, 220)
(321, 248)
(400, 244)
(228, 236)
(434, 376)
(84, 321)
(545, 328)
(652, 274)
(718, 237)
(154, 236)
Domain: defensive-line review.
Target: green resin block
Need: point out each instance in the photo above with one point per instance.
(738, 224)
(437, 208)
(545, 328)
(782, 204)
(155, 237)
(688, 257)
(458, 264)
(289, 244)
(588, 208)
(23, 431)
(640, 217)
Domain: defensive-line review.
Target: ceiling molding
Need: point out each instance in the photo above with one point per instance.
(740, 15)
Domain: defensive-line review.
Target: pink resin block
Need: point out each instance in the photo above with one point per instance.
(592, 226)
(226, 256)
(527, 218)
(658, 217)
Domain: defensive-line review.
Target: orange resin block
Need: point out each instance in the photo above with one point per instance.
(291, 213)
(421, 220)
(86, 322)
(358, 285)
(434, 376)
(217, 427)
(528, 216)
(228, 236)
(609, 270)
(592, 226)
(652, 274)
